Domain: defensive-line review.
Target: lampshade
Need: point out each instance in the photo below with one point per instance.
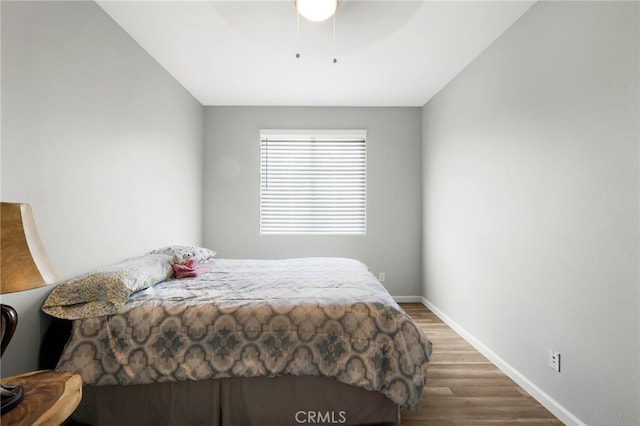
(316, 10)
(25, 263)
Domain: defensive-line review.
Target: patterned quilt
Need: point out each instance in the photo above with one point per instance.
(247, 318)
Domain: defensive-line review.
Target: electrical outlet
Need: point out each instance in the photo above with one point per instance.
(554, 360)
(381, 277)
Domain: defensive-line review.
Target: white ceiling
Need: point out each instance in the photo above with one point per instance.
(390, 53)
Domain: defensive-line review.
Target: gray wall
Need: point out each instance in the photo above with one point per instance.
(102, 141)
(530, 192)
(232, 188)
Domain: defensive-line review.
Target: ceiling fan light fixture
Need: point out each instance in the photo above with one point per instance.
(316, 10)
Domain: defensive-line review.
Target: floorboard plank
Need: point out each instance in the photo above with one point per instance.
(464, 388)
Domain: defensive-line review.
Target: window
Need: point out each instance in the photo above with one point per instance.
(312, 182)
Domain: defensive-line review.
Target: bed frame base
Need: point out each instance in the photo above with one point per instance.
(283, 400)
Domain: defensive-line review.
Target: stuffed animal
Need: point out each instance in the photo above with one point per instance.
(182, 257)
(184, 266)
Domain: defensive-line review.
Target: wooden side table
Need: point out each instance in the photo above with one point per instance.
(50, 397)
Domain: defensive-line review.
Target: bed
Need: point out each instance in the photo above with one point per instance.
(294, 341)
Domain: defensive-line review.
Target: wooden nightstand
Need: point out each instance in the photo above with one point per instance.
(50, 397)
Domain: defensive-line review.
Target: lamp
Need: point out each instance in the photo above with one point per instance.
(316, 10)
(24, 265)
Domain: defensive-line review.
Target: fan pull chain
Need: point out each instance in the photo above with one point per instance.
(335, 60)
(298, 35)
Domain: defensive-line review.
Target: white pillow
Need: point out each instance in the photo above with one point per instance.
(198, 254)
(104, 291)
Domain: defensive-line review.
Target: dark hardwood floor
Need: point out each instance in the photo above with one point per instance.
(464, 387)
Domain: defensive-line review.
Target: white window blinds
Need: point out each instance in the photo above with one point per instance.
(313, 182)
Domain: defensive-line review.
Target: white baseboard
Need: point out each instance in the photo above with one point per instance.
(542, 397)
